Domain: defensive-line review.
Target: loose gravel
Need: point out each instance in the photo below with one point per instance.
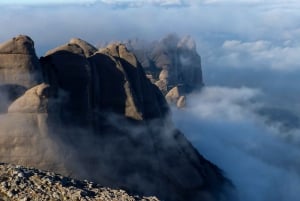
(18, 183)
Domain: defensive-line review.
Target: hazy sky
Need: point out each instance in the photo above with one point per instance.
(39, 2)
(254, 43)
(238, 34)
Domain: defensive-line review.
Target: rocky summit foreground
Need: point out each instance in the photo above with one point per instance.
(19, 183)
(93, 114)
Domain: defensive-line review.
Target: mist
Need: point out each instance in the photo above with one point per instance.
(223, 125)
(250, 62)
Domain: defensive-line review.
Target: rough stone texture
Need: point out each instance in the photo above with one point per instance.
(137, 98)
(18, 183)
(33, 101)
(18, 62)
(164, 75)
(175, 97)
(87, 48)
(18, 45)
(171, 62)
(67, 48)
(181, 102)
(162, 85)
(67, 71)
(100, 118)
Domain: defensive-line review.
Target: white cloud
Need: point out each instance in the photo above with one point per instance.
(249, 1)
(38, 2)
(125, 3)
(225, 103)
(222, 125)
(142, 3)
(235, 45)
(197, 2)
(260, 54)
(163, 3)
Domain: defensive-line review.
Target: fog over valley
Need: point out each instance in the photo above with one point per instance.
(245, 119)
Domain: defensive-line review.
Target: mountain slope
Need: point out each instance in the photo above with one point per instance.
(95, 115)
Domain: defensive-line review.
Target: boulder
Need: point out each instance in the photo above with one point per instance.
(175, 97)
(33, 101)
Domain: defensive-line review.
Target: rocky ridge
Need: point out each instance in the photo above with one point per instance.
(18, 183)
(89, 109)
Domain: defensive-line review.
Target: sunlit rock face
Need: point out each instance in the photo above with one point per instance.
(18, 62)
(169, 63)
(93, 114)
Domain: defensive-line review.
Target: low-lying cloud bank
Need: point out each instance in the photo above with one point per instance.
(224, 125)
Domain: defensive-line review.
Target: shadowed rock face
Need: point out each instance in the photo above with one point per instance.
(170, 62)
(97, 116)
(87, 48)
(9, 93)
(143, 101)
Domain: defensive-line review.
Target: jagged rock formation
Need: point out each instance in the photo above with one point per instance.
(171, 63)
(95, 115)
(21, 183)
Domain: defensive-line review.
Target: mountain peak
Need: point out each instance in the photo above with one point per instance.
(87, 48)
(20, 44)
